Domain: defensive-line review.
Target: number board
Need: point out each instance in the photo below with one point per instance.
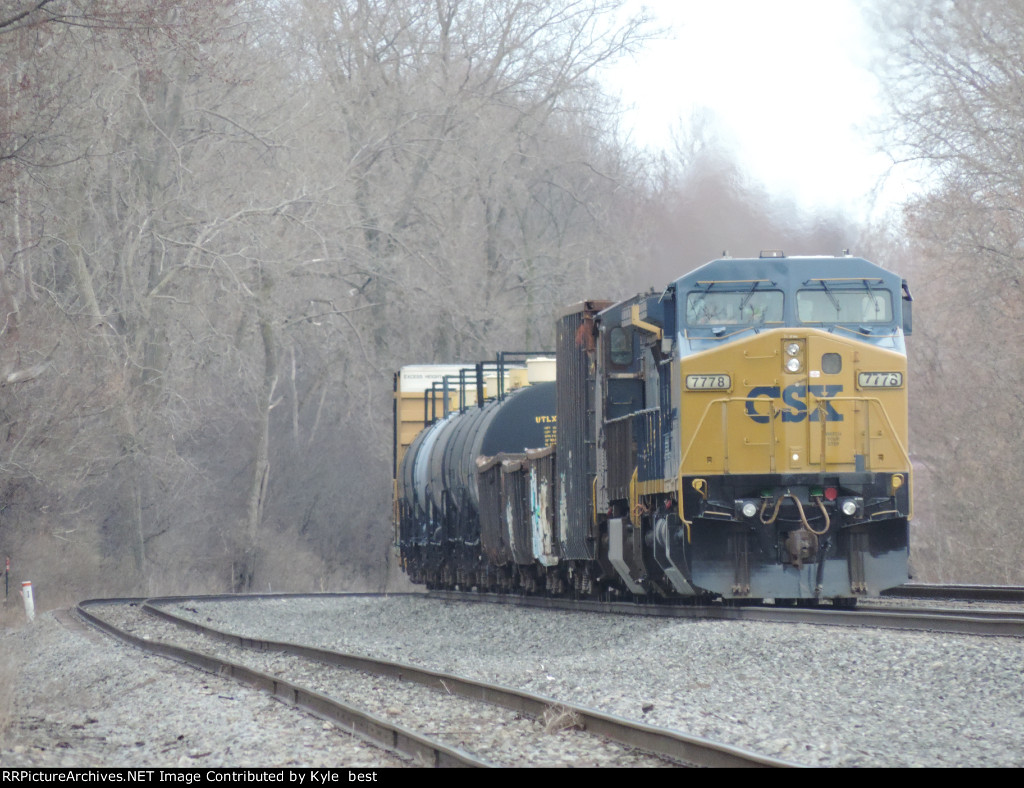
(880, 380)
(708, 382)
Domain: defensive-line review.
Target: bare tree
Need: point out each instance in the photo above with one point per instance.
(129, 250)
(446, 123)
(227, 223)
(955, 81)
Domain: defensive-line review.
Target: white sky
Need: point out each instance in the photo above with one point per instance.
(787, 82)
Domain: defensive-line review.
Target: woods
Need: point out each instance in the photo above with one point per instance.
(955, 84)
(224, 224)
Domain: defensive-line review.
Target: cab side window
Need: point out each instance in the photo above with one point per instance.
(620, 347)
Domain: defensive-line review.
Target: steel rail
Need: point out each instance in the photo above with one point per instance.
(659, 741)
(990, 623)
(360, 723)
(971, 593)
(987, 613)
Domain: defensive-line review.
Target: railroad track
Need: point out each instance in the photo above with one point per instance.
(314, 679)
(938, 620)
(971, 593)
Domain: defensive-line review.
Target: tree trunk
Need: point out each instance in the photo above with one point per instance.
(261, 460)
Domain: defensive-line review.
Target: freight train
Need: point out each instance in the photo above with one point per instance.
(741, 435)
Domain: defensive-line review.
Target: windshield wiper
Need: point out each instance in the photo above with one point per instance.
(748, 296)
(832, 298)
(873, 297)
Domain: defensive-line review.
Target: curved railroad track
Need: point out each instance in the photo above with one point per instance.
(314, 679)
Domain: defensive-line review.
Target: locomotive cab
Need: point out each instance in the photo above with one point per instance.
(763, 449)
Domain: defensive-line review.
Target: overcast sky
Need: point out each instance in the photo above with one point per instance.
(787, 82)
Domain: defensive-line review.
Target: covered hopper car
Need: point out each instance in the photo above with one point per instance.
(742, 435)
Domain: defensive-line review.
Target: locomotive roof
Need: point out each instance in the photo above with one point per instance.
(787, 273)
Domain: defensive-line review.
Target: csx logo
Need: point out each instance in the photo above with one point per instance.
(795, 397)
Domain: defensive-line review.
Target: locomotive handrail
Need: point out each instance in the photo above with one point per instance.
(885, 415)
(682, 459)
(892, 434)
(895, 437)
(725, 401)
(890, 335)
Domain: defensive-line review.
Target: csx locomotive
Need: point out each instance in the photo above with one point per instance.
(740, 435)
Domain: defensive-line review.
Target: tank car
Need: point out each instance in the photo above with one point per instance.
(438, 495)
(742, 434)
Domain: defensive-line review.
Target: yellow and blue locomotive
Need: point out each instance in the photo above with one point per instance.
(742, 434)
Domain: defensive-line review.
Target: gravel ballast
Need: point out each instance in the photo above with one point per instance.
(819, 696)
(81, 699)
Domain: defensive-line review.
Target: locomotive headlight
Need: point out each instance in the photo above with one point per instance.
(747, 508)
(792, 364)
(849, 507)
(793, 349)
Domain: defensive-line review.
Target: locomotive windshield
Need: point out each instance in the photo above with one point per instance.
(730, 299)
(843, 301)
(746, 307)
